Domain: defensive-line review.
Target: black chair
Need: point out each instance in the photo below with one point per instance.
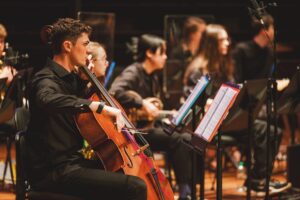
(9, 119)
(23, 189)
(8, 130)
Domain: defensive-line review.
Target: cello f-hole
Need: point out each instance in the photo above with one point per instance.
(130, 164)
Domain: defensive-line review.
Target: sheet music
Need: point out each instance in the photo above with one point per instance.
(216, 112)
(198, 89)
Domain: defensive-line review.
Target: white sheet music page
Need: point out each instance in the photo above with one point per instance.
(198, 89)
(216, 112)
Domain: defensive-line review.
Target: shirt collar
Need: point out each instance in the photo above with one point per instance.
(57, 68)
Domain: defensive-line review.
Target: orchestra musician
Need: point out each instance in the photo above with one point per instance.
(53, 140)
(99, 59)
(135, 87)
(253, 59)
(193, 28)
(7, 72)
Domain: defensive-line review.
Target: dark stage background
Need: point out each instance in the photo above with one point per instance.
(24, 19)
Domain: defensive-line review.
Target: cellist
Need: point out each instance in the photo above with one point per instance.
(53, 140)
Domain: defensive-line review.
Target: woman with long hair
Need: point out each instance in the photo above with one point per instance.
(212, 58)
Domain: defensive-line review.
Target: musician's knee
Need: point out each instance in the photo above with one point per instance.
(137, 187)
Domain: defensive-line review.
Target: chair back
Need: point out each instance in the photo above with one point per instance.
(14, 94)
(21, 184)
(23, 190)
(21, 118)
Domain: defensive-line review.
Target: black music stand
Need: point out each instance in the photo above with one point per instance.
(199, 141)
(191, 118)
(242, 115)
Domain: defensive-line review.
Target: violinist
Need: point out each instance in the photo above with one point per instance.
(99, 60)
(133, 87)
(53, 140)
(6, 72)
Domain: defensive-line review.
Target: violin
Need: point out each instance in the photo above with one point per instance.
(11, 57)
(119, 151)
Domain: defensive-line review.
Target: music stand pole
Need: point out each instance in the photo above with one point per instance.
(293, 130)
(271, 109)
(219, 165)
(271, 98)
(251, 105)
(202, 173)
(194, 162)
(193, 156)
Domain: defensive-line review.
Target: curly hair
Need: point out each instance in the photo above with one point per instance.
(63, 29)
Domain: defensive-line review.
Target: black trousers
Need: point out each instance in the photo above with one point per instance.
(89, 182)
(179, 154)
(259, 168)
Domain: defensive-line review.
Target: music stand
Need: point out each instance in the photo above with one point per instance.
(243, 113)
(186, 114)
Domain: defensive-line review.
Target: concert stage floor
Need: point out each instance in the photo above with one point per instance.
(230, 190)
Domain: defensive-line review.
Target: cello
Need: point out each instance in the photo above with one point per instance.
(119, 151)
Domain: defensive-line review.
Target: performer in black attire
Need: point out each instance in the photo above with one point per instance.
(253, 59)
(192, 31)
(6, 71)
(53, 141)
(214, 59)
(132, 88)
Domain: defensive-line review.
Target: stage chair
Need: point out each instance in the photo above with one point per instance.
(23, 190)
(8, 121)
(8, 130)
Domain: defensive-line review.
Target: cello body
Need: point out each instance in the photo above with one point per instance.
(119, 152)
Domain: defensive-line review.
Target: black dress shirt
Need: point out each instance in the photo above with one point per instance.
(252, 61)
(133, 85)
(53, 138)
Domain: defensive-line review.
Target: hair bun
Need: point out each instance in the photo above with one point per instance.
(46, 34)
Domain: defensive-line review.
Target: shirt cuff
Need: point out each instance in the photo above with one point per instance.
(83, 105)
(100, 107)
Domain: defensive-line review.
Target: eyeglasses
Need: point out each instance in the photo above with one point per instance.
(102, 60)
(225, 39)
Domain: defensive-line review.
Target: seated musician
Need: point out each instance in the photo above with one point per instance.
(99, 60)
(133, 87)
(213, 58)
(53, 140)
(6, 71)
